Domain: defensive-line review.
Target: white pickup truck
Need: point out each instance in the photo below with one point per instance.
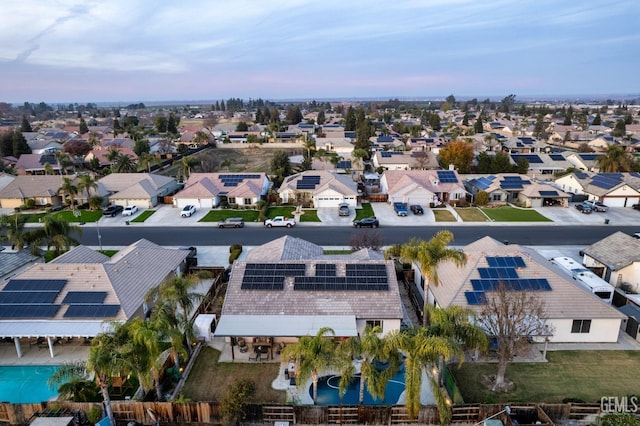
(279, 221)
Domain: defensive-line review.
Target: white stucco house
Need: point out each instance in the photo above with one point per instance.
(616, 259)
(319, 189)
(208, 190)
(613, 189)
(422, 186)
(137, 189)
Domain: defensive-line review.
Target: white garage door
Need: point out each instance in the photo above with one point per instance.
(614, 202)
(327, 202)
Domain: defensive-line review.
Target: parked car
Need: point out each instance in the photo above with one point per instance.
(416, 209)
(112, 210)
(343, 209)
(400, 209)
(130, 210)
(596, 205)
(584, 208)
(636, 235)
(231, 222)
(280, 221)
(636, 206)
(188, 210)
(370, 222)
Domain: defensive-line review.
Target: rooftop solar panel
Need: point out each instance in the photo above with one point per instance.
(580, 175)
(27, 297)
(556, 157)
(549, 193)
(28, 311)
(531, 158)
(505, 261)
(35, 285)
(85, 297)
(476, 297)
(92, 311)
(589, 157)
(447, 176)
(498, 273)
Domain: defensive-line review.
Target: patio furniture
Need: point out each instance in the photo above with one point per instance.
(254, 357)
(263, 356)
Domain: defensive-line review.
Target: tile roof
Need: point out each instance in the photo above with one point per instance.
(29, 186)
(207, 185)
(615, 251)
(343, 184)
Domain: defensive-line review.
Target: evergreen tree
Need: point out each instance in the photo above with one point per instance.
(597, 120)
(321, 117)
(350, 120)
(83, 128)
(172, 124)
(259, 116)
(478, 126)
(25, 126)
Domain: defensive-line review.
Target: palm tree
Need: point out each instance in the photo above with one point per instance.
(48, 169)
(421, 350)
(56, 233)
(615, 159)
(370, 347)
(112, 154)
(70, 190)
(60, 159)
(313, 355)
(429, 255)
(15, 234)
(124, 164)
(87, 183)
(79, 389)
(146, 160)
(146, 335)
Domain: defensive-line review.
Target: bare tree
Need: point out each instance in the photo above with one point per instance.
(361, 240)
(513, 318)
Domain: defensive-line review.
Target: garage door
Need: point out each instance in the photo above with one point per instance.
(327, 201)
(614, 202)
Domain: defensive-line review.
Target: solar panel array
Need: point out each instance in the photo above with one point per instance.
(34, 310)
(531, 158)
(269, 276)
(482, 182)
(343, 164)
(527, 140)
(447, 176)
(92, 311)
(389, 154)
(325, 270)
(85, 297)
(35, 285)
(606, 180)
(28, 298)
(549, 193)
(235, 179)
(358, 277)
(308, 182)
(513, 182)
(556, 157)
(581, 175)
(502, 271)
(589, 157)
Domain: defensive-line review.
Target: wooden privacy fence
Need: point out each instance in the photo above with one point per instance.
(209, 413)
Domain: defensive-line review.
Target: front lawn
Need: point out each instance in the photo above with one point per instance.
(471, 214)
(586, 375)
(309, 215)
(443, 215)
(84, 215)
(218, 215)
(144, 215)
(365, 211)
(510, 214)
(209, 378)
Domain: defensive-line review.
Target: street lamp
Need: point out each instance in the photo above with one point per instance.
(506, 410)
(99, 236)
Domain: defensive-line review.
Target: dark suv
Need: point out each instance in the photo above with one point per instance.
(370, 222)
(416, 209)
(112, 210)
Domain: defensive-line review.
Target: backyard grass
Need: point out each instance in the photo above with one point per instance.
(510, 214)
(218, 215)
(209, 378)
(144, 215)
(365, 211)
(471, 214)
(443, 216)
(586, 375)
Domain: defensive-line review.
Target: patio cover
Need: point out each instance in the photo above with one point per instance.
(284, 325)
(52, 328)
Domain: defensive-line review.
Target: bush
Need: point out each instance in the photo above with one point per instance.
(29, 203)
(482, 198)
(234, 400)
(234, 247)
(263, 212)
(235, 250)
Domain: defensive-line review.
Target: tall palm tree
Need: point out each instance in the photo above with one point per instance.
(87, 183)
(48, 169)
(124, 164)
(145, 334)
(146, 160)
(421, 350)
(312, 355)
(615, 159)
(79, 389)
(429, 255)
(70, 190)
(370, 347)
(112, 154)
(56, 233)
(15, 233)
(186, 163)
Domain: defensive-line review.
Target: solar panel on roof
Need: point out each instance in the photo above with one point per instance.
(511, 185)
(28, 311)
(85, 297)
(635, 174)
(589, 157)
(531, 158)
(35, 285)
(521, 284)
(27, 297)
(92, 311)
(447, 176)
(498, 273)
(476, 297)
(505, 261)
(549, 193)
(556, 157)
(604, 183)
(582, 175)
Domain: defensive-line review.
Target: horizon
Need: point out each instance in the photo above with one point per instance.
(90, 51)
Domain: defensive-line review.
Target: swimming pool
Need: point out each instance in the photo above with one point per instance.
(328, 391)
(26, 384)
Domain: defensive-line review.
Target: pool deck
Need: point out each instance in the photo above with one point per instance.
(34, 354)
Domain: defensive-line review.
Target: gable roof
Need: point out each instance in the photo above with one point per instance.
(206, 185)
(615, 251)
(326, 180)
(30, 186)
(399, 180)
(116, 182)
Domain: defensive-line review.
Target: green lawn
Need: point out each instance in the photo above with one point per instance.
(510, 214)
(443, 216)
(365, 211)
(218, 215)
(471, 214)
(143, 216)
(309, 215)
(85, 216)
(586, 375)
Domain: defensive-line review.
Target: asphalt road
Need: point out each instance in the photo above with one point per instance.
(545, 235)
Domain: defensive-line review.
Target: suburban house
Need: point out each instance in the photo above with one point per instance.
(208, 190)
(405, 160)
(573, 314)
(613, 189)
(288, 288)
(616, 259)
(543, 165)
(422, 187)
(102, 152)
(584, 161)
(5, 179)
(319, 189)
(43, 189)
(341, 146)
(35, 164)
(139, 189)
(515, 188)
(74, 295)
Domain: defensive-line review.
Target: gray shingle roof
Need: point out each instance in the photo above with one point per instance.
(616, 251)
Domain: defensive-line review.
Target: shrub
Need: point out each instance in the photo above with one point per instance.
(95, 414)
(234, 400)
(482, 198)
(234, 252)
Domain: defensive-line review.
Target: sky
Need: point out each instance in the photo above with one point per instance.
(61, 51)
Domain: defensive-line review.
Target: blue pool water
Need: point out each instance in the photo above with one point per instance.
(328, 391)
(26, 384)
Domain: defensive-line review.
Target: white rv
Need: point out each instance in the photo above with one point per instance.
(587, 279)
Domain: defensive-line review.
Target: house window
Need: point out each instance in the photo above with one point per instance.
(581, 326)
(496, 197)
(231, 200)
(374, 323)
(247, 201)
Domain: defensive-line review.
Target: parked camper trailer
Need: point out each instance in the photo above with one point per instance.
(587, 279)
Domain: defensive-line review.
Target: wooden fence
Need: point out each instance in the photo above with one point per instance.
(209, 413)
